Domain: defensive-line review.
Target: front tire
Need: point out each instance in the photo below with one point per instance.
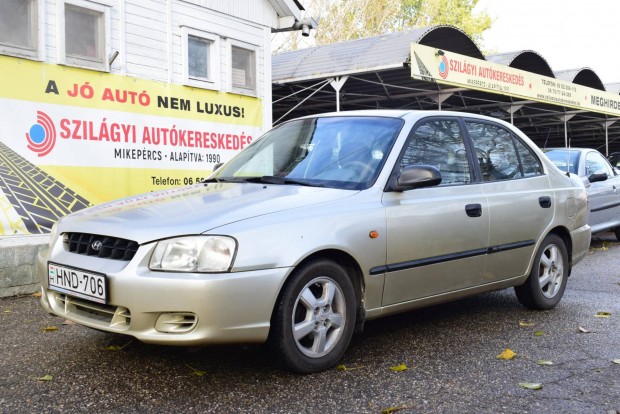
(545, 286)
(314, 318)
(617, 233)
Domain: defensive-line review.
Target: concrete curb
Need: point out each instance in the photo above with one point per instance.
(17, 264)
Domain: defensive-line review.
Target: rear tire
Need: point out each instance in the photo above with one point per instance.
(617, 233)
(314, 318)
(545, 286)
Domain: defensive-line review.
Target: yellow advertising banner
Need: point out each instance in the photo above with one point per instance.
(432, 64)
(72, 138)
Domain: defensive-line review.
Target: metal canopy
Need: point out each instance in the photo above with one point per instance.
(374, 73)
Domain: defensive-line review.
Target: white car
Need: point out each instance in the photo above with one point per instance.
(321, 224)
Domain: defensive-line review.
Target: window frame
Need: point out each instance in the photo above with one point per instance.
(472, 170)
(251, 91)
(76, 61)
(214, 81)
(514, 138)
(36, 33)
(601, 161)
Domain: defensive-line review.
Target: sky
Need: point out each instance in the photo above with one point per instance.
(569, 34)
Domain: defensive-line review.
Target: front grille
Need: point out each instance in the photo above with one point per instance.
(100, 246)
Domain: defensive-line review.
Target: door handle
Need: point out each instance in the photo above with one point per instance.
(545, 201)
(473, 210)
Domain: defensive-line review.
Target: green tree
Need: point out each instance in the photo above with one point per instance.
(342, 20)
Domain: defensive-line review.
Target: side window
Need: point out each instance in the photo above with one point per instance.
(18, 28)
(201, 57)
(495, 151)
(242, 68)
(596, 164)
(84, 38)
(530, 163)
(439, 143)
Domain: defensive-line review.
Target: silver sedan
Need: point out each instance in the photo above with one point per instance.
(321, 224)
(601, 180)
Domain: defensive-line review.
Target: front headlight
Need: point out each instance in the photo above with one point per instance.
(207, 254)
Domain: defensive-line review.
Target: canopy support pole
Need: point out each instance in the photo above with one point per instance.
(607, 124)
(566, 118)
(511, 110)
(337, 83)
(440, 98)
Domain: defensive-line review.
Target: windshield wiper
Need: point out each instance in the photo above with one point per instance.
(221, 180)
(272, 179)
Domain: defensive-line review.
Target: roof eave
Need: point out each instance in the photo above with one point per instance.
(286, 8)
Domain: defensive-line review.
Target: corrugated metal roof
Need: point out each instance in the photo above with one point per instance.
(584, 76)
(528, 60)
(363, 55)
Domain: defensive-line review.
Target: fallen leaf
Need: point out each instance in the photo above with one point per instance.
(544, 362)
(616, 361)
(507, 354)
(345, 368)
(582, 330)
(531, 385)
(116, 347)
(396, 409)
(7, 311)
(46, 377)
(197, 372)
(49, 329)
(37, 294)
(603, 314)
(525, 324)
(538, 333)
(398, 368)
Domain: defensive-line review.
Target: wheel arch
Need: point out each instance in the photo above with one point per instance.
(353, 270)
(563, 233)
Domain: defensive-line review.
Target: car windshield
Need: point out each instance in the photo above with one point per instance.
(564, 159)
(336, 152)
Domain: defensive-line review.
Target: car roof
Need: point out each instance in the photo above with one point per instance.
(404, 113)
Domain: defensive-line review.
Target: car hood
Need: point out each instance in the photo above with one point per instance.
(192, 210)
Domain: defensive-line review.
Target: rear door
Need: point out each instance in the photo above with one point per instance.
(519, 196)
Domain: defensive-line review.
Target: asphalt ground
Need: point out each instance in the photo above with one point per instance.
(450, 352)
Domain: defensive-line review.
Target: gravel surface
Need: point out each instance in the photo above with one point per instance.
(449, 351)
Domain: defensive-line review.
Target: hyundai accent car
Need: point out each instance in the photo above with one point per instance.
(321, 224)
(602, 183)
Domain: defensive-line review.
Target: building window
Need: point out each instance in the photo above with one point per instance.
(243, 67)
(85, 35)
(198, 52)
(18, 28)
(201, 57)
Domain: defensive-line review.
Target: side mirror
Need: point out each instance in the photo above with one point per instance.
(217, 166)
(597, 177)
(417, 176)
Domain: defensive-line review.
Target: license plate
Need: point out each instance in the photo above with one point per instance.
(76, 282)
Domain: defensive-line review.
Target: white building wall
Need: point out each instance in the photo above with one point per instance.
(148, 36)
(146, 43)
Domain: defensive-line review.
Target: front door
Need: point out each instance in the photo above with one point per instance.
(437, 236)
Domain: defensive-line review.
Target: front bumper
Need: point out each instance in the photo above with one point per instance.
(170, 308)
